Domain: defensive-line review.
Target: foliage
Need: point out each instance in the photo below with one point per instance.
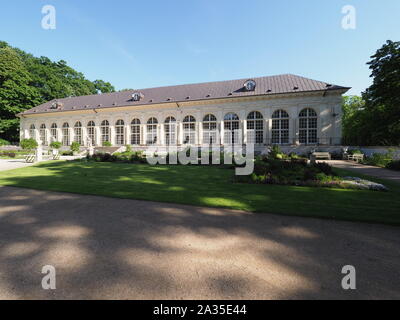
(27, 81)
(293, 172)
(128, 148)
(16, 92)
(4, 142)
(374, 119)
(379, 159)
(7, 154)
(56, 145)
(75, 146)
(123, 157)
(106, 144)
(29, 144)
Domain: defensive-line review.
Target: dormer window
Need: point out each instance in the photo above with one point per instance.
(250, 85)
(137, 96)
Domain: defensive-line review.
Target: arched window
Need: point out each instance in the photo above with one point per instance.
(170, 131)
(255, 128)
(53, 133)
(119, 132)
(231, 129)
(210, 129)
(78, 133)
(280, 127)
(43, 134)
(135, 132)
(91, 132)
(189, 130)
(152, 131)
(308, 125)
(105, 132)
(65, 134)
(32, 133)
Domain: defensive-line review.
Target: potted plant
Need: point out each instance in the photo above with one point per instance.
(75, 147)
(55, 146)
(29, 145)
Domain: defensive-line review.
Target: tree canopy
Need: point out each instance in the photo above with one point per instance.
(374, 119)
(27, 81)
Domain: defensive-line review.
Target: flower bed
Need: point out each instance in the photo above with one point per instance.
(299, 172)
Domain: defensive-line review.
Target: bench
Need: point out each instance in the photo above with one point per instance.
(357, 157)
(320, 156)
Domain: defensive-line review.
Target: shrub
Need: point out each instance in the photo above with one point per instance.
(128, 148)
(355, 151)
(4, 142)
(56, 145)
(107, 144)
(8, 154)
(75, 146)
(379, 159)
(67, 153)
(29, 144)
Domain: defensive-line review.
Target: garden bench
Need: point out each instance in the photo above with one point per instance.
(358, 157)
(30, 158)
(321, 155)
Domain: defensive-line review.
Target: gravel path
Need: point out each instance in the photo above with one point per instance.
(105, 248)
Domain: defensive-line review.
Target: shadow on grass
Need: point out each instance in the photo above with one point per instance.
(206, 186)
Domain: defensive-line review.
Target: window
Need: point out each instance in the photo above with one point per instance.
(53, 132)
(308, 125)
(280, 127)
(231, 129)
(65, 134)
(152, 131)
(78, 133)
(255, 128)
(170, 131)
(32, 133)
(120, 132)
(135, 132)
(105, 132)
(189, 130)
(91, 132)
(43, 134)
(210, 129)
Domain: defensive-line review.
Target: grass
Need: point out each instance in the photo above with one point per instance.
(209, 187)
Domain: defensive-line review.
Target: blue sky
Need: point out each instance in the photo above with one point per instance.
(140, 44)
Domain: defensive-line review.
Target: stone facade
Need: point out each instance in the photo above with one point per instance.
(327, 108)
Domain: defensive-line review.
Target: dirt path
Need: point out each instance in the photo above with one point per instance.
(125, 249)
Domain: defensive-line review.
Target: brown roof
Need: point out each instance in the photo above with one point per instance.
(271, 85)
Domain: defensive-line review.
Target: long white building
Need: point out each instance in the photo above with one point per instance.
(286, 110)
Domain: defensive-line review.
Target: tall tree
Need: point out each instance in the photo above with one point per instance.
(383, 96)
(27, 81)
(16, 92)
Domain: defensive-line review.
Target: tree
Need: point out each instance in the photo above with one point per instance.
(374, 119)
(353, 120)
(27, 81)
(103, 87)
(16, 92)
(382, 97)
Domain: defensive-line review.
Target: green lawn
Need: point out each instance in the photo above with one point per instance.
(208, 186)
